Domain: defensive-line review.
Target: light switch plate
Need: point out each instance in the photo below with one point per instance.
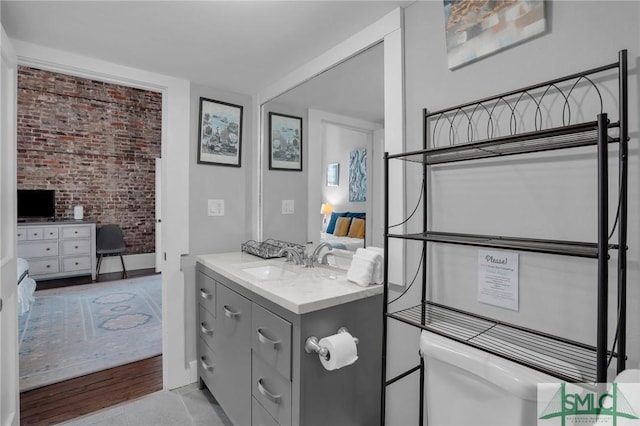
(288, 207)
(215, 208)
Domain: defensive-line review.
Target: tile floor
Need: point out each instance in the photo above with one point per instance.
(186, 406)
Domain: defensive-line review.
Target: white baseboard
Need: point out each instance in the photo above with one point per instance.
(131, 262)
(193, 371)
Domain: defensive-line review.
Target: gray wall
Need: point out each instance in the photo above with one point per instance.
(285, 185)
(557, 294)
(209, 234)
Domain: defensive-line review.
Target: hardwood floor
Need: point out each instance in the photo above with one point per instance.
(67, 400)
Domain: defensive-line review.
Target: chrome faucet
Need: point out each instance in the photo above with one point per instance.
(323, 259)
(316, 252)
(291, 253)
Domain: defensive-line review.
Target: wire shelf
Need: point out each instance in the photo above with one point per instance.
(562, 358)
(567, 248)
(269, 248)
(585, 134)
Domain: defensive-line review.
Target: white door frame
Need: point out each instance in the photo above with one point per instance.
(174, 182)
(9, 387)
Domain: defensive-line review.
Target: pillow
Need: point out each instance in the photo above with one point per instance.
(332, 222)
(342, 226)
(356, 230)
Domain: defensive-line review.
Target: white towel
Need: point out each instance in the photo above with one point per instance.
(361, 271)
(376, 255)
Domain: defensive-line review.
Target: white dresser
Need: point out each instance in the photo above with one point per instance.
(58, 249)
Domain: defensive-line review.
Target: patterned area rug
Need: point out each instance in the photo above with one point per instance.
(73, 331)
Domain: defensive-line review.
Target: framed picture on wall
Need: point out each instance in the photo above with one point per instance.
(220, 133)
(333, 174)
(285, 142)
(475, 29)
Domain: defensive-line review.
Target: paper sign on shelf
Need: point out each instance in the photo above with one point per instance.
(498, 278)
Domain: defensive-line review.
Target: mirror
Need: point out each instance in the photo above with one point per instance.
(342, 111)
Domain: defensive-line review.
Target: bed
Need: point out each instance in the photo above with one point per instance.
(345, 230)
(26, 287)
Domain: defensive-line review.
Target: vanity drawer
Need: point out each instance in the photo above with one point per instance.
(233, 322)
(76, 247)
(207, 361)
(206, 326)
(44, 266)
(271, 339)
(76, 232)
(271, 390)
(260, 416)
(43, 249)
(71, 264)
(206, 292)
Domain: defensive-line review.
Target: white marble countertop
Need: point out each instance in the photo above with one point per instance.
(304, 290)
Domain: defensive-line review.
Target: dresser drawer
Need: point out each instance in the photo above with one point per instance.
(43, 266)
(50, 233)
(34, 234)
(72, 247)
(206, 327)
(71, 264)
(76, 232)
(271, 390)
(43, 249)
(271, 339)
(260, 416)
(206, 292)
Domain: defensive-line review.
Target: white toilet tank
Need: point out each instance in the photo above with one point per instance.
(466, 386)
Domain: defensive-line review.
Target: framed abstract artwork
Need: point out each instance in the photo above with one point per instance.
(285, 142)
(333, 174)
(358, 175)
(475, 29)
(220, 133)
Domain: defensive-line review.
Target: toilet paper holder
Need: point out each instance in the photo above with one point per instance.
(311, 344)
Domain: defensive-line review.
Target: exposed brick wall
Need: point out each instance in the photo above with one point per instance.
(94, 143)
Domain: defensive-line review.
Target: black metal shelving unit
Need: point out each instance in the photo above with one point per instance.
(531, 348)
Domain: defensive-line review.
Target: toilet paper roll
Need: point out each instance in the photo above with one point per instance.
(342, 351)
(78, 212)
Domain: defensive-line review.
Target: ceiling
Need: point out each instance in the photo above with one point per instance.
(354, 88)
(238, 46)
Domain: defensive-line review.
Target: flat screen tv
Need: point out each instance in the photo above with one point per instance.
(36, 204)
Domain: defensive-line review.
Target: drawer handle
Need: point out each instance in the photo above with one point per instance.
(205, 330)
(204, 364)
(35, 234)
(205, 294)
(265, 340)
(76, 247)
(48, 248)
(77, 263)
(270, 396)
(230, 313)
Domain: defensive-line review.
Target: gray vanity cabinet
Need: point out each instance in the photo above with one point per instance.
(253, 361)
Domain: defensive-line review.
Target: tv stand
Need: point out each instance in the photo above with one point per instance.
(58, 249)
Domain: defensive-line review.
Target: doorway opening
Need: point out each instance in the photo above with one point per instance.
(96, 144)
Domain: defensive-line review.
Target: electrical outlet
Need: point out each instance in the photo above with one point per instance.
(288, 207)
(215, 208)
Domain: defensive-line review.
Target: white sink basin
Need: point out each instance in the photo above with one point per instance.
(269, 272)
